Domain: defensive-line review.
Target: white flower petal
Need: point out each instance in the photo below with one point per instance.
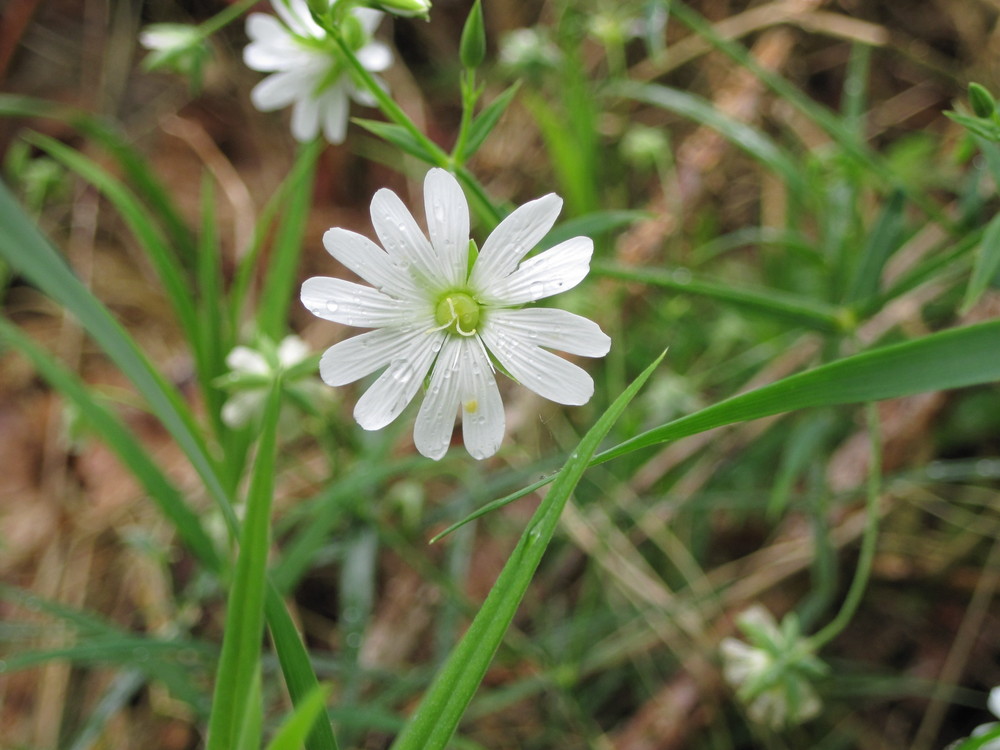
(296, 15)
(369, 18)
(362, 355)
(375, 57)
(514, 238)
(292, 350)
(243, 359)
(535, 368)
(556, 270)
(993, 702)
(482, 409)
(334, 110)
(554, 328)
(436, 418)
(401, 237)
(279, 90)
(241, 407)
(272, 47)
(305, 119)
(448, 223)
(355, 305)
(395, 387)
(370, 262)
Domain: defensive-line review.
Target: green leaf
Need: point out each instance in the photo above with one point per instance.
(949, 359)
(433, 723)
(233, 698)
(791, 307)
(987, 264)
(30, 254)
(883, 240)
(400, 137)
(589, 225)
(291, 735)
(486, 120)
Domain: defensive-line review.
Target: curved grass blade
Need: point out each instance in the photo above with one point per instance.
(436, 718)
(799, 310)
(291, 735)
(125, 445)
(31, 255)
(950, 359)
(240, 660)
(986, 265)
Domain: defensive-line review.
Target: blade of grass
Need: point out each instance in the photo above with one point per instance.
(954, 358)
(31, 255)
(135, 165)
(799, 310)
(883, 240)
(245, 605)
(162, 257)
(436, 718)
(985, 266)
(291, 735)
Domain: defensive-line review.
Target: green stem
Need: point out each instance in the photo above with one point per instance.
(863, 571)
(469, 98)
(224, 17)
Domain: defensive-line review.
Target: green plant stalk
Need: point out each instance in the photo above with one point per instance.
(435, 720)
(868, 540)
(245, 607)
(470, 95)
(395, 113)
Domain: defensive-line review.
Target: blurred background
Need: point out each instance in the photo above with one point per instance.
(616, 644)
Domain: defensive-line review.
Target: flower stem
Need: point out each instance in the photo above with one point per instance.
(224, 17)
(863, 570)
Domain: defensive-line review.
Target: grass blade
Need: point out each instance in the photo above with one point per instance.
(30, 254)
(435, 720)
(986, 265)
(291, 735)
(245, 608)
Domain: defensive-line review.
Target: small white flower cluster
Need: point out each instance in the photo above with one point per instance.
(773, 673)
(308, 69)
(441, 307)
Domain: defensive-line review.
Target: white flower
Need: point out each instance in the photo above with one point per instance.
(437, 308)
(251, 372)
(772, 674)
(993, 703)
(308, 69)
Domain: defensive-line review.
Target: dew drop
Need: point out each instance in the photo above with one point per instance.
(332, 306)
(681, 276)
(537, 289)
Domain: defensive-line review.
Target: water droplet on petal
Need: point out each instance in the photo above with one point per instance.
(332, 306)
(537, 289)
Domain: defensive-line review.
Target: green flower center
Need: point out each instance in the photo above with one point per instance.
(458, 312)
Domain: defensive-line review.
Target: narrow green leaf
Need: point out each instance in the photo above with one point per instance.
(741, 135)
(949, 359)
(791, 307)
(272, 314)
(124, 444)
(291, 735)
(399, 137)
(986, 265)
(135, 165)
(436, 718)
(300, 679)
(31, 255)
(245, 606)
(883, 240)
(486, 120)
(171, 274)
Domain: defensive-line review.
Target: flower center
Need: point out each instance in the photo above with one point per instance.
(458, 312)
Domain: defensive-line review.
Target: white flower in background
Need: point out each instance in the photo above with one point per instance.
(308, 69)
(251, 374)
(438, 308)
(773, 673)
(993, 703)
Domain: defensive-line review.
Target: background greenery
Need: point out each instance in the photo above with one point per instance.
(773, 189)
